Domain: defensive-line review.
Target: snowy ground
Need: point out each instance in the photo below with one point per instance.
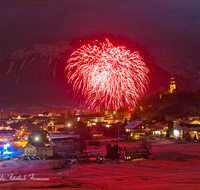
(176, 165)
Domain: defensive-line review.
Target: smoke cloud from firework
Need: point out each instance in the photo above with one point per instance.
(107, 75)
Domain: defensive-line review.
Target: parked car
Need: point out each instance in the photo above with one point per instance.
(101, 160)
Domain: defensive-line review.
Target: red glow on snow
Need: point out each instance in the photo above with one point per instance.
(108, 75)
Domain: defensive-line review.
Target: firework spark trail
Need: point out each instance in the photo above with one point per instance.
(107, 75)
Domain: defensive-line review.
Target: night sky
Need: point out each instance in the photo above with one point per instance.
(168, 31)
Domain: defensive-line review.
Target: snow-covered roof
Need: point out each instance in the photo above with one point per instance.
(195, 122)
(6, 132)
(185, 128)
(178, 127)
(36, 145)
(56, 136)
(185, 121)
(46, 147)
(133, 124)
(161, 124)
(96, 132)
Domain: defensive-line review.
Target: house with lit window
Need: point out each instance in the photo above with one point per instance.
(135, 129)
(187, 132)
(4, 126)
(30, 149)
(89, 119)
(47, 151)
(159, 128)
(40, 150)
(59, 126)
(53, 127)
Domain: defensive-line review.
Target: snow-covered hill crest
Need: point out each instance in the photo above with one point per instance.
(35, 59)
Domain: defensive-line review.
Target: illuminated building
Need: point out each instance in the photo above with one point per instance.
(53, 127)
(131, 128)
(30, 150)
(47, 151)
(172, 84)
(172, 88)
(37, 149)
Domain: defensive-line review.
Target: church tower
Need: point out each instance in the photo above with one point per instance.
(172, 84)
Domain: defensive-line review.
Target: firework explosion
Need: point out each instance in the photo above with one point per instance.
(108, 75)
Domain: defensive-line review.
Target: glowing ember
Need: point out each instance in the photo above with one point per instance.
(107, 75)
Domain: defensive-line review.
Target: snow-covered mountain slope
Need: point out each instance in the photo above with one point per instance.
(35, 61)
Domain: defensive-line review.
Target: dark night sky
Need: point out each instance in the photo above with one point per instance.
(168, 30)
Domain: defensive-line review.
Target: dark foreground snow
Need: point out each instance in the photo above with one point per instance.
(175, 166)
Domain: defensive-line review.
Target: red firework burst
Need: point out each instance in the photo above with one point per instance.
(107, 75)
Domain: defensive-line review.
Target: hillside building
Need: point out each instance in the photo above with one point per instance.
(172, 84)
(172, 88)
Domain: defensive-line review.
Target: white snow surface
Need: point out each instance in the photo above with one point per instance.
(176, 165)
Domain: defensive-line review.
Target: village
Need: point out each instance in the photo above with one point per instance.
(45, 137)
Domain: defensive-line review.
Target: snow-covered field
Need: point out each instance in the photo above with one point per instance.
(176, 165)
